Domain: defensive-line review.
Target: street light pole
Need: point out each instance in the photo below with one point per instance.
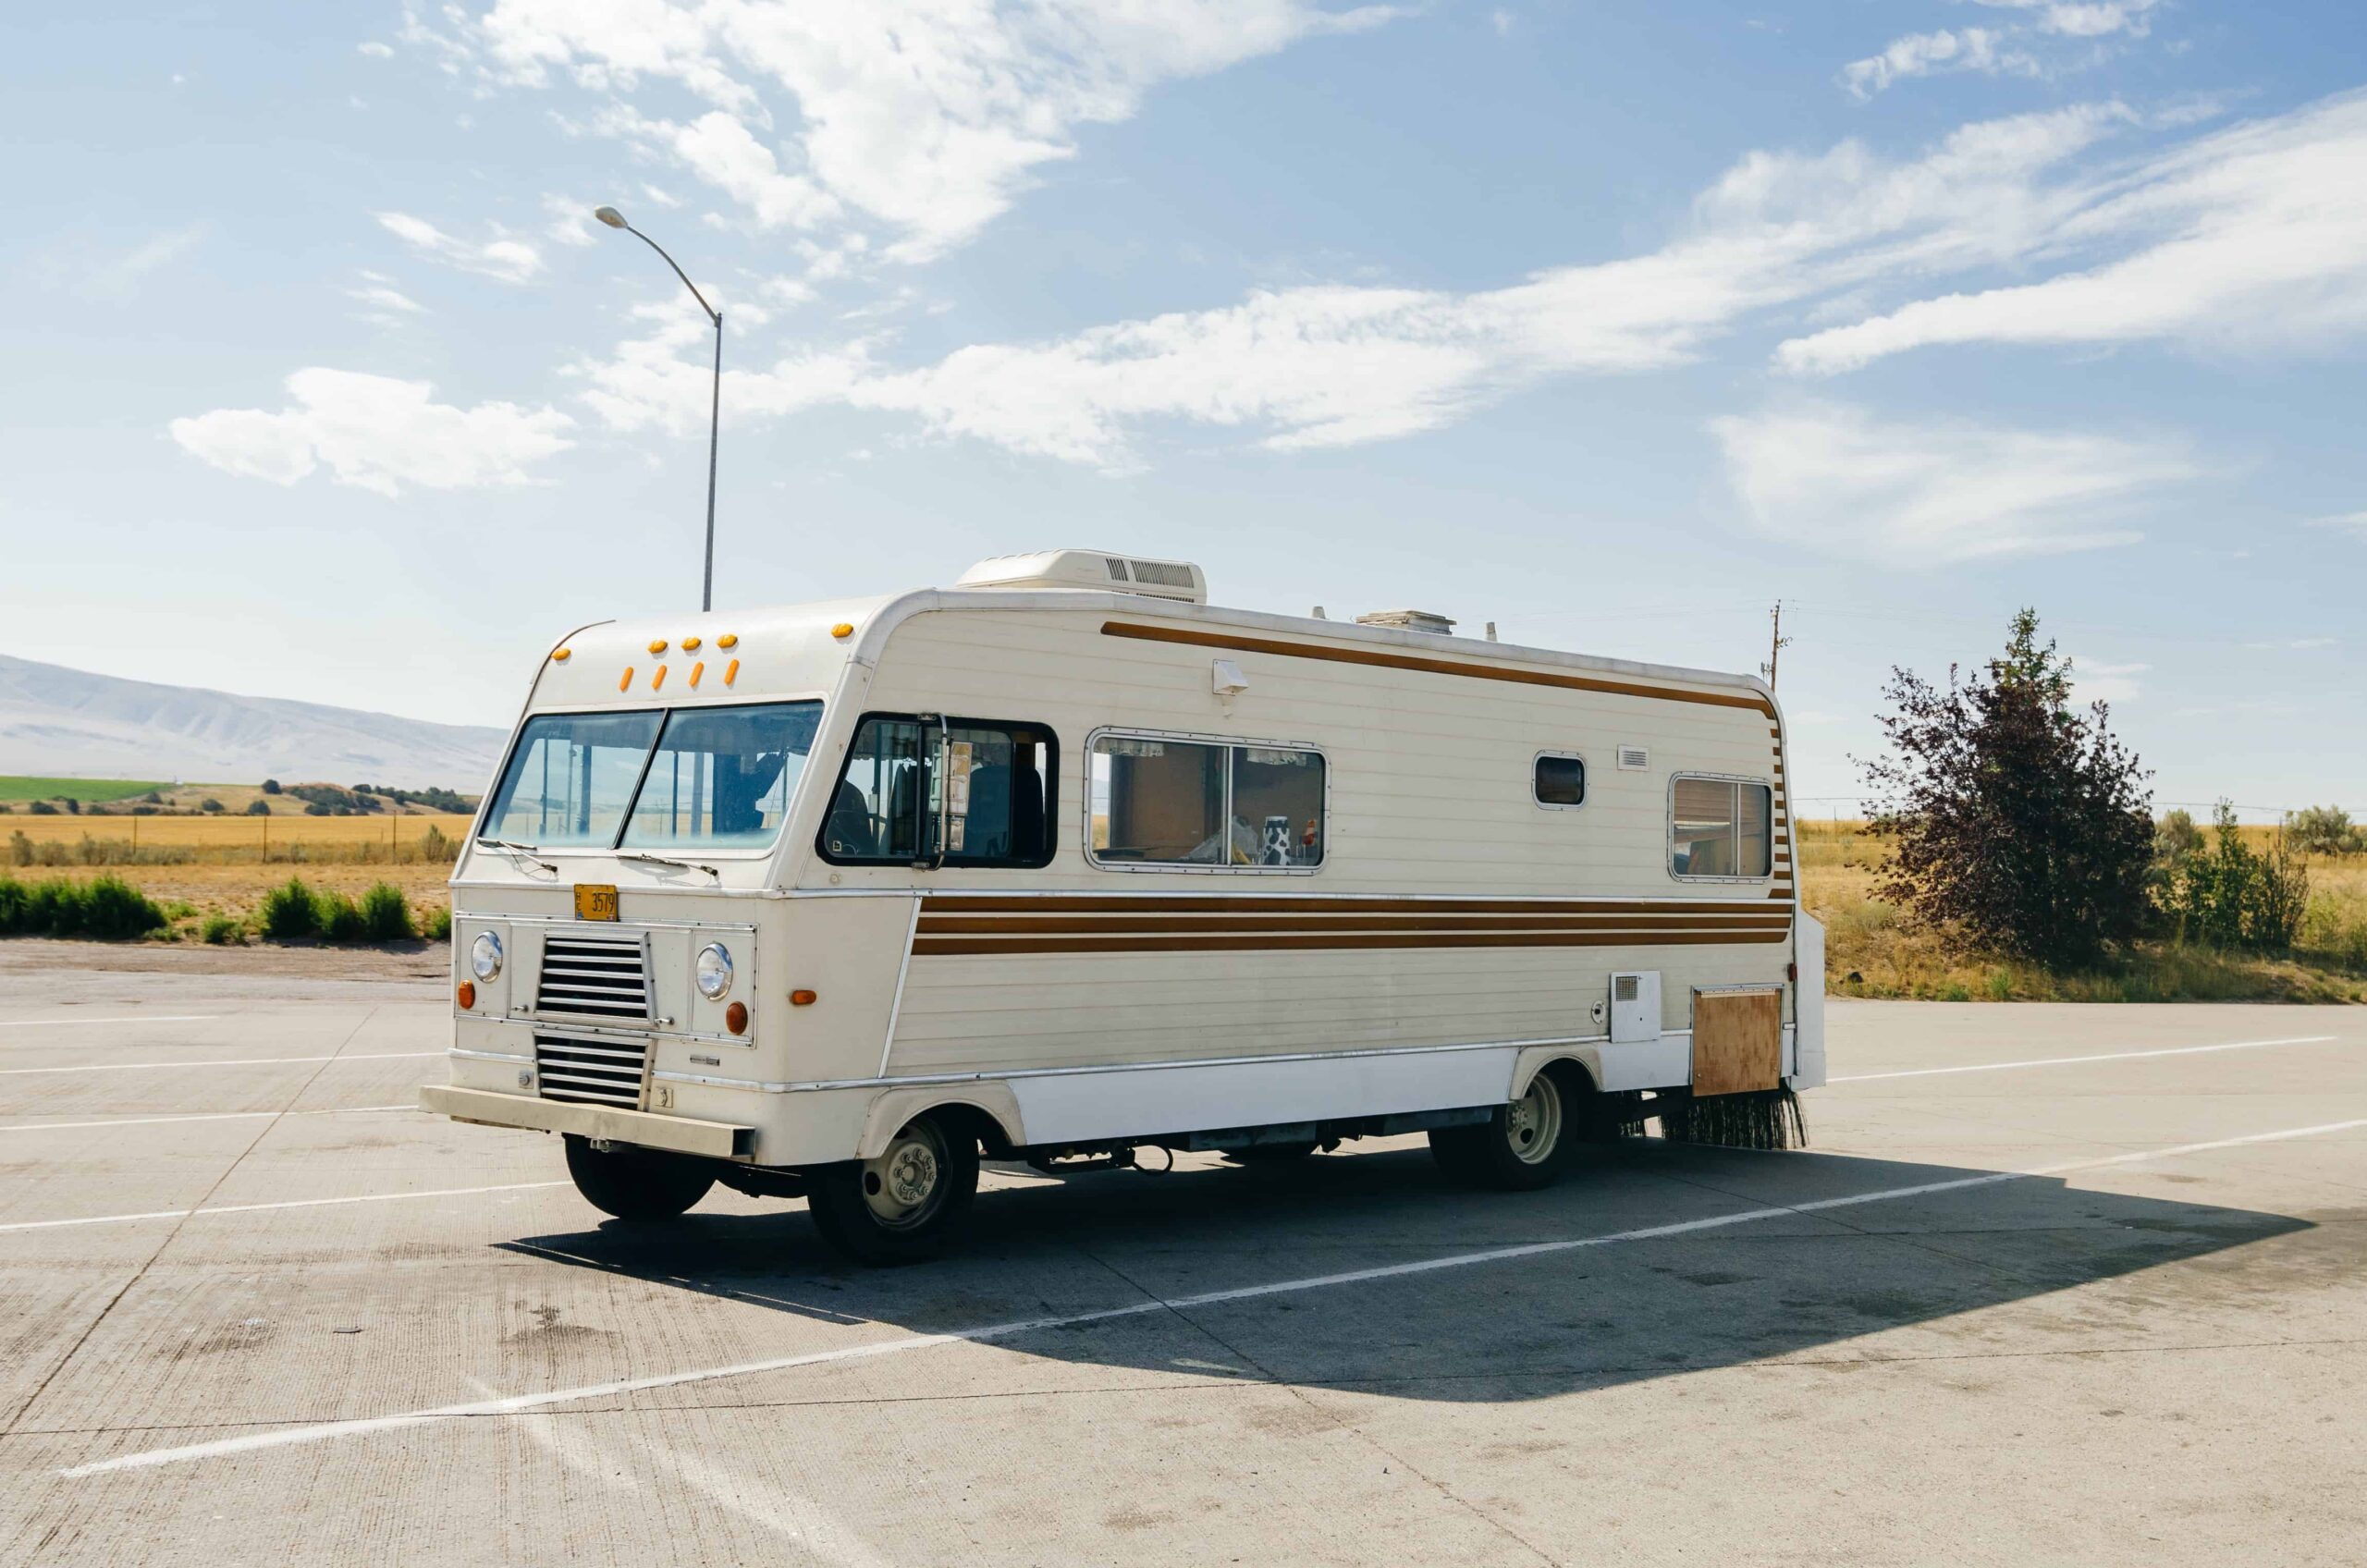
(616, 219)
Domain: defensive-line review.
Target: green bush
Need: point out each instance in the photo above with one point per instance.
(290, 913)
(2324, 830)
(340, 918)
(437, 925)
(108, 907)
(225, 931)
(258, 808)
(2229, 898)
(385, 914)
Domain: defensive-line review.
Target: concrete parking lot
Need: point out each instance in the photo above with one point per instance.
(2055, 1284)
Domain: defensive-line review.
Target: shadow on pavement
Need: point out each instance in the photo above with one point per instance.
(1504, 1329)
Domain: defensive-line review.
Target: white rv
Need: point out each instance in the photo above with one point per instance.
(1062, 860)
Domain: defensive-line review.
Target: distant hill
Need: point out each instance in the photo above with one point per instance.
(55, 720)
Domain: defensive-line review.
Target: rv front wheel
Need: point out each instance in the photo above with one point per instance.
(636, 1184)
(901, 1206)
(1520, 1147)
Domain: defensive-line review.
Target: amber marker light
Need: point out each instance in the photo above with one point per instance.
(843, 629)
(465, 993)
(657, 679)
(735, 1018)
(804, 998)
(697, 670)
(690, 644)
(728, 640)
(624, 682)
(658, 647)
(731, 672)
(561, 656)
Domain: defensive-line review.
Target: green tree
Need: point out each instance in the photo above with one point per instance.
(2022, 826)
(2323, 830)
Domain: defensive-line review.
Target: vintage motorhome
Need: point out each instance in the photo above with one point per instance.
(1062, 860)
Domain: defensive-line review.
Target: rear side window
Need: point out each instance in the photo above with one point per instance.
(1720, 827)
(983, 791)
(1561, 780)
(1162, 802)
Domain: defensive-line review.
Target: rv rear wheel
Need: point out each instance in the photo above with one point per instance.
(1520, 1147)
(636, 1184)
(901, 1206)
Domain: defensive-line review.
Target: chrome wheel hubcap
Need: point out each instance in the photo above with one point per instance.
(1533, 1123)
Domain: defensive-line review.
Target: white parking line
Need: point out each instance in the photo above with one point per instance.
(222, 1061)
(2070, 1060)
(257, 1208)
(285, 1436)
(205, 1116)
(129, 1018)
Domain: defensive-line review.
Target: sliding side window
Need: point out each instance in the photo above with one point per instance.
(1160, 801)
(959, 791)
(1720, 828)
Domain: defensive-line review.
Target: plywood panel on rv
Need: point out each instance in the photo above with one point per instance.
(1737, 1041)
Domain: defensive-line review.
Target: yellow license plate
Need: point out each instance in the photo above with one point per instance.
(595, 900)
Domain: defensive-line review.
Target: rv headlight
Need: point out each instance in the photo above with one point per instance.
(484, 956)
(713, 971)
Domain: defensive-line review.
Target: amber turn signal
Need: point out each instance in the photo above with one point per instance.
(735, 1018)
(465, 993)
(843, 629)
(802, 998)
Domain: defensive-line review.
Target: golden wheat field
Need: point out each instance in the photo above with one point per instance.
(239, 832)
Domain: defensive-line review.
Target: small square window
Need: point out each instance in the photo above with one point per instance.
(1561, 780)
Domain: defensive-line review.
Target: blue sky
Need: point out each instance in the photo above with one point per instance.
(1609, 323)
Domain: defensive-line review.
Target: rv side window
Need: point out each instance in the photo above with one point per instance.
(991, 785)
(1720, 827)
(1162, 802)
(1561, 780)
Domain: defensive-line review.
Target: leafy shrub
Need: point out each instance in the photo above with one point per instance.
(2177, 836)
(20, 849)
(225, 931)
(385, 913)
(2021, 826)
(41, 808)
(2323, 830)
(13, 896)
(258, 808)
(340, 917)
(271, 786)
(209, 804)
(436, 845)
(113, 908)
(437, 925)
(290, 913)
(2230, 897)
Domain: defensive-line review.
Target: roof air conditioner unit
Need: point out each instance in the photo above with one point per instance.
(1090, 569)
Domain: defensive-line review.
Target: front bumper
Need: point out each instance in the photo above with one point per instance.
(719, 1140)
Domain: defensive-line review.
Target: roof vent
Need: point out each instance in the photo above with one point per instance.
(1090, 569)
(1409, 621)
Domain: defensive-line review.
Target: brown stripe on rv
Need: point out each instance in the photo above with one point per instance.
(1284, 903)
(1432, 667)
(948, 946)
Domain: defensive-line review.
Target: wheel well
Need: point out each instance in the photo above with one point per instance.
(962, 1119)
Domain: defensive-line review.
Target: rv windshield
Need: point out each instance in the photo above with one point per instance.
(708, 777)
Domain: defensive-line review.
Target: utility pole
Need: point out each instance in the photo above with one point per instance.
(1777, 645)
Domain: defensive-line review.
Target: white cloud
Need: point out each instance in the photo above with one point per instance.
(377, 433)
(2083, 19)
(927, 117)
(2253, 236)
(511, 261)
(1841, 480)
(375, 50)
(2092, 680)
(383, 297)
(1928, 54)
(2347, 523)
(568, 221)
(110, 276)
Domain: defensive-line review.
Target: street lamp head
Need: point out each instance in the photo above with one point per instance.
(610, 216)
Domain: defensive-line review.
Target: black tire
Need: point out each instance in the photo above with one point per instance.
(1271, 1154)
(1521, 1147)
(866, 1208)
(636, 1184)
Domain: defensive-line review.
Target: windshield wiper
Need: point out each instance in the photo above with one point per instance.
(665, 860)
(523, 851)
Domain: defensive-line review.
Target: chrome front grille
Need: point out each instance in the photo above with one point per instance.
(593, 1069)
(594, 976)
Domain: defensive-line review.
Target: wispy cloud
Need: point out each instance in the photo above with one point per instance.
(2094, 681)
(1929, 53)
(2346, 522)
(377, 433)
(509, 260)
(106, 276)
(924, 119)
(1911, 493)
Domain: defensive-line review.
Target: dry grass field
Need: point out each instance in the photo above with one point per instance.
(224, 866)
(1867, 953)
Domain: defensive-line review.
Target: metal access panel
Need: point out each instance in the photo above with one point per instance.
(1636, 1006)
